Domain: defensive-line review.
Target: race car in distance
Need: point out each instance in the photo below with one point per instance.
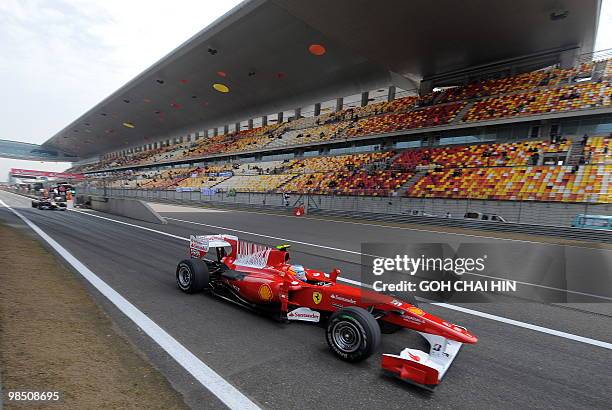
(265, 280)
(49, 203)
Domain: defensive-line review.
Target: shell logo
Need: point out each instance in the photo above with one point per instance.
(265, 292)
(416, 311)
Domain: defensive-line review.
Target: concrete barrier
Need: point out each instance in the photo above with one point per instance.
(131, 208)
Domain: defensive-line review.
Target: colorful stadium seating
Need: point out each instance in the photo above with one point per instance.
(539, 183)
(572, 97)
(598, 150)
(497, 171)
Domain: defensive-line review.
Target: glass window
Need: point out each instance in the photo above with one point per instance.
(335, 151)
(408, 144)
(599, 222)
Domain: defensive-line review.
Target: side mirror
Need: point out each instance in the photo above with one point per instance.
(333, 275)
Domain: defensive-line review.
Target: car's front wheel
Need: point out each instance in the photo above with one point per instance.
(192, 275)
(352, 334)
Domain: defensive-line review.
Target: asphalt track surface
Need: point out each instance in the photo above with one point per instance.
(289, 365)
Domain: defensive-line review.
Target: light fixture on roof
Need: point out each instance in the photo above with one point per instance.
(212, 51)
(252, 73)
(160, 81)
(128, 124)
(221, 73)
(103, 114)
(126, 101)
(317, 49)
(222, 88)
(194, 96)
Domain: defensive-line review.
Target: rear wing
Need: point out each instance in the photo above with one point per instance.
(244, 253)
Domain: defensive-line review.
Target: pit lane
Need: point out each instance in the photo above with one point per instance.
(289, 365)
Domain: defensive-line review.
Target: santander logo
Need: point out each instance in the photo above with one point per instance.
(312, 315)
(304, 314)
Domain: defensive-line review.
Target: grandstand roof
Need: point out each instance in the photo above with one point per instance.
(261, 50)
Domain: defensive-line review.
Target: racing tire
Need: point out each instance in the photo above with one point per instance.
(192, 275)
(352, 334)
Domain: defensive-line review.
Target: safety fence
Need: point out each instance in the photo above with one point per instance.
(557, 214)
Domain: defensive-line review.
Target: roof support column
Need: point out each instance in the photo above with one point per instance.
(365, 96)
(317, 109)
(250, 123)
(391, 93)
(216, 131)
(567, 58)
(339, 103)
(425, 87)
(226, 129)
(237, 125)
(280, 117)
(264, 120)
(297, 113)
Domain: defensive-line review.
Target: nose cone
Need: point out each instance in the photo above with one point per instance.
(462, 335)
(470, 338)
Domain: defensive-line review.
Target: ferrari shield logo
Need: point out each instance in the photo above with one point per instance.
(317, 297)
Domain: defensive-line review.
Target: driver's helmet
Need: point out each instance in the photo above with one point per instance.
(299, 272)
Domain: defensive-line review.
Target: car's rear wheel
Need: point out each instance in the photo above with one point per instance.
(352, 334)
(192, 275)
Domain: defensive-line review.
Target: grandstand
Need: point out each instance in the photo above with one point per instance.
(532, 124)
(515, 170)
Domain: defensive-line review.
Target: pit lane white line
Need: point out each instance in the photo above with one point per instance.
(227, 393)
(525, 325)
(497, 238)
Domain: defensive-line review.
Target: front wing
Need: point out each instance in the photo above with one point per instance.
(417, 367)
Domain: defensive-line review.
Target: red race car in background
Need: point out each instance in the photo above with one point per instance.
(265, 280)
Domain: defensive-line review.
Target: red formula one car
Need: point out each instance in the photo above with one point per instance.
(264, 279)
